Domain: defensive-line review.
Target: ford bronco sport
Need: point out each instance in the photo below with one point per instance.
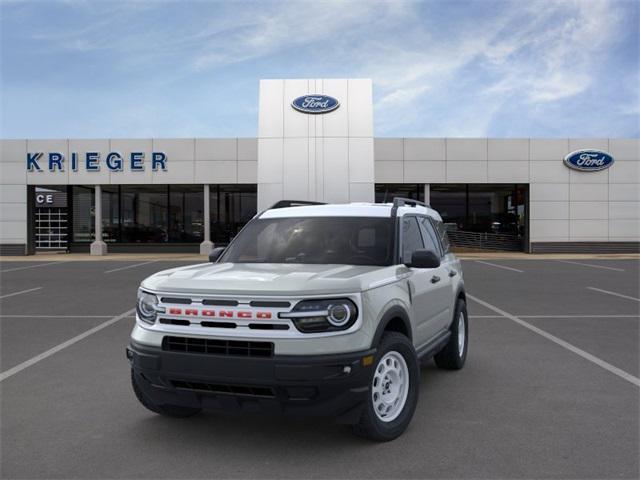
(312, 309)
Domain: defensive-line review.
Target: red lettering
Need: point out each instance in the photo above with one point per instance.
(191, 311)
(225, 313)
(244, 314)
(263, 315)
(175, 311)
(208, 313)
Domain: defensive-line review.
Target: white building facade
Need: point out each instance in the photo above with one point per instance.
(315, 142)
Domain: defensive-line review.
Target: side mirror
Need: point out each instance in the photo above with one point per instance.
(424, 259)
(216, 253)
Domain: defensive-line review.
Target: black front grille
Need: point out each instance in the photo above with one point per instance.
(255, 391)
(218, 347)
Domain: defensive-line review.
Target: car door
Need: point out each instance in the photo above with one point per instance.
(425, 284)
(444, 301)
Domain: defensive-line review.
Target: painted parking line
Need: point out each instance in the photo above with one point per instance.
(500, 266)
(572, 348)
(59, 316)
(604, 267)
(130, 266)
(20, 292)
(33, 266)
(615, 294)
(32, 361)
(553, 316)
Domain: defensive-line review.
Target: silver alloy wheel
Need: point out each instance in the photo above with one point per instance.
(390, 386)
(461, 334)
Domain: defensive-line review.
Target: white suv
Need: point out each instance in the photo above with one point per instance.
(312, 309)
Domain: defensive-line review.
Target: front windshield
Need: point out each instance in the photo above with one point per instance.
(341, 240)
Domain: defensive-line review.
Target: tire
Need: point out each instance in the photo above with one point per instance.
(166, 410)
(395, 354)
(454, 354)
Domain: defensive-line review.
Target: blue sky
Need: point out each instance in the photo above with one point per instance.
(93, 69)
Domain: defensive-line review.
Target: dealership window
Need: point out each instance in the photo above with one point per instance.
(485, 208)
(232, 206)
(144, 213)
(162, 213)
(83, 201)
(186, 213)
(386, 192)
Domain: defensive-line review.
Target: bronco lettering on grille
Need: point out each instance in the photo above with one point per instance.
(209, 313)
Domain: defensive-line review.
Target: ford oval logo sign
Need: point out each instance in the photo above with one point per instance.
(588, 160)
(315, 104)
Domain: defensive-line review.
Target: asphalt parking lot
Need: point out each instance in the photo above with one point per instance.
(550, 389)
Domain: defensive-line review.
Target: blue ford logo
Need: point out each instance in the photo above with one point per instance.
(588, 160)
(315, 104)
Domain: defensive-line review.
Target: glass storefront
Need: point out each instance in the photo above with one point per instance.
(162, 213)
(497, 208)
(232, 206)
(386, 192)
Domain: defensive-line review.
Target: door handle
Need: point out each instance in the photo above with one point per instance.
(435, 279)
(452, 273)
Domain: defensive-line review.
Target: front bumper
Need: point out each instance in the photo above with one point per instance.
(310, 385)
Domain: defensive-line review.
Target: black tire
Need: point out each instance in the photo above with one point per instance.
(450, 357)
(370, 425)
(166, 410)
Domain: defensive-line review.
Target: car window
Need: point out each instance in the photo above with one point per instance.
(316, 240)
(411, 238)
(444, 238)
(430, 236)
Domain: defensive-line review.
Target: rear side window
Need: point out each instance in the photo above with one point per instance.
(430, 236)
(411, 238)
(442, 233)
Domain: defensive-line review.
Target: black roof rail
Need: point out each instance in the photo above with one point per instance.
(401, 202)
(294, 203)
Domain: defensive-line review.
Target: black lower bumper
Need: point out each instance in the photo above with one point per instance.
(310, 385)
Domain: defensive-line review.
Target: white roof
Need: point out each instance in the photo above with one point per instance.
(347, 210)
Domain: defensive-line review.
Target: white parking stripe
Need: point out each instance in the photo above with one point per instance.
(20, 292)
(614, 294)
(32, 361)
(500, 266)
(58, 316)
(130, 266)
(553, 316)
(572, 348)
(33, 266)
(604, 267)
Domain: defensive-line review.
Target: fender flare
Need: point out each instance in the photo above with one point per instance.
(396, 311)
(460, 294)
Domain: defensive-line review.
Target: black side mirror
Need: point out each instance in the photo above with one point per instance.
(216, 253)
(424, 259)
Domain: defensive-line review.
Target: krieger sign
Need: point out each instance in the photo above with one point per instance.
(91, 161)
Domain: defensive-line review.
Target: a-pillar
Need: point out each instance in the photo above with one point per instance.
(207, 245)
(98, 247)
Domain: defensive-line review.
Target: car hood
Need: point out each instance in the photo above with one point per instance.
(268, 279)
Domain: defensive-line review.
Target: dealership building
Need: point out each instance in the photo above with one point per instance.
(315, 142)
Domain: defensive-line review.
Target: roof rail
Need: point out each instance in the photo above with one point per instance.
(293, 203)
(401, 202)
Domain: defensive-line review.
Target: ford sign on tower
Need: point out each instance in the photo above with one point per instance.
(315, 104)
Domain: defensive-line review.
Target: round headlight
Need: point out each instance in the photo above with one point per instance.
(339, 314)
(147, 306)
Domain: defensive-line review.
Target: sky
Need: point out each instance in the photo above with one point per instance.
(96, 69)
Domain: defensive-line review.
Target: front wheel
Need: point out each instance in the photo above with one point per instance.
(454, 354)
(393, 392)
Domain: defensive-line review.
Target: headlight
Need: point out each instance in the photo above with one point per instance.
(147, 306)
(330, 315)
